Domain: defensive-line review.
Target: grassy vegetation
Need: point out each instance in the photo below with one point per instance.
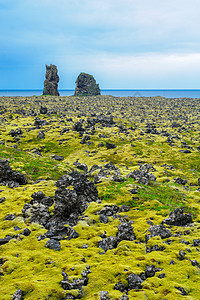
(30, 266)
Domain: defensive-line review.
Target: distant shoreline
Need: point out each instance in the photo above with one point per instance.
(167, 93)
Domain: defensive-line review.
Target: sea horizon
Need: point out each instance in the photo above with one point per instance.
(167, 93)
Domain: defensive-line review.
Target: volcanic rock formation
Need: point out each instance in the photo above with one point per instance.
(86, 85)
(51, 81)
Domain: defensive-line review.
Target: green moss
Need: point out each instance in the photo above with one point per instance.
(37, 270)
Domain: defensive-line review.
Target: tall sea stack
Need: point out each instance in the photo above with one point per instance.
(51, 81)
(86, 85)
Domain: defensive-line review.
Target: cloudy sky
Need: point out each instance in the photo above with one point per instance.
(129, 44)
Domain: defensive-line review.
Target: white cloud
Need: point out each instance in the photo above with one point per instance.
(150, 70)
(151, 42)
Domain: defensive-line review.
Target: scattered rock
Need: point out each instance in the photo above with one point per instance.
(134, 282)
(43, 110)
(26, 232)
(15, 132)
(86, 85)
(10, 217)
(53, 244)
(158, 230)
(120, 287)
(103, 219)
(161, 276)
(177, 218)
(5, 240)
(180, 181)
(104, 295)
(80, 166)
(125, 232)
(108, 243)
(195, 263)
(39, 122)
(9, 177)
(196, 242)
(58, 157)
(51, 81)
(18, 295)
(142, 176)
(110, 145)
(183, 292)
(150, 271)
(41, 135)
(77, 284)
(182, 255)
(2, 199)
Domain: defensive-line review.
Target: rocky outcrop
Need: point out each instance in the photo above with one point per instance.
(9, 177)
(71, 199)
(51, 81)
(86, 85)
(178, 218)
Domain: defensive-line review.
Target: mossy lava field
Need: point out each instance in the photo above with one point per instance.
(99, 198)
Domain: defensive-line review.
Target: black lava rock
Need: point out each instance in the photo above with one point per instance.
(9, 177)
(177, 218)
(18, 295)
(158, 230)
(183, 292)
(110, 145)
(134, 282)
(53, 244)
(58, 157)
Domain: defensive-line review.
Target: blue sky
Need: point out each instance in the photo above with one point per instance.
(126, 44)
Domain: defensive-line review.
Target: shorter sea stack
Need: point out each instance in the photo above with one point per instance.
(86, 85)
(51, 81)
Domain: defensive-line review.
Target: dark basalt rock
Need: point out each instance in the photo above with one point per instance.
(86, 85)
(158, 230)
(43, 110)
(110, 145)
(177, 218)
(195, 263)
(125, 232)
(18, 295)
(182, 255)
(9, 177)
(134, 281)
(142, 175)
(80, 166)
(150, 271)
(41, 135)
(120, 287)
(77, 284)
(181, 289)
(39, 122)
(180, 181)
(5, 240)
(51, 82)
(104, 295)
(53, 244)
(16, 132)
(110, 242)
(58, 157)
(2, 199)
(69, 205)
(105, 121)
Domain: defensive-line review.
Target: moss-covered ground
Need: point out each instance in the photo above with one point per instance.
(30, 266)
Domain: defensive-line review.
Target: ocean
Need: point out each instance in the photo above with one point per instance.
(170, 93)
